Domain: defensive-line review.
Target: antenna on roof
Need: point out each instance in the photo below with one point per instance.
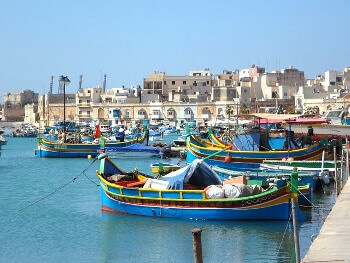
(104, 83)
(51, 84)
(80, 82)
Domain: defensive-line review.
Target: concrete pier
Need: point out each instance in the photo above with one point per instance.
(333, 242)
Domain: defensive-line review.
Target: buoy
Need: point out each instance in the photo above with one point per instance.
(89, 156)
(228, 158)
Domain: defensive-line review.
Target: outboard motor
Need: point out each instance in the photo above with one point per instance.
(310, 131)
(324, 175)
(166, 151)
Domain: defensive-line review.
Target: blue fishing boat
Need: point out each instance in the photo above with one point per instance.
(66, 149)
(192, 192)
(236, 159)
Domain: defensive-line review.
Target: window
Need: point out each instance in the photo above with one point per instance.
(116, 113)
(206, 111)
(173, 82)
(184, 82)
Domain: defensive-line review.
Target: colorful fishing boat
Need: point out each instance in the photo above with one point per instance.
(61, 149)
(247, 160)
(192, 192)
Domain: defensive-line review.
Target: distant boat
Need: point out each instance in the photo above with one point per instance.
(3, 141)
(155, 136)
(180, 141)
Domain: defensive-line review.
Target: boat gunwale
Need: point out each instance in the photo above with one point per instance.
(283, 191)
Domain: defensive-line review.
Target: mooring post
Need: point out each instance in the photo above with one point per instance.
(197, 245)
(294, 199)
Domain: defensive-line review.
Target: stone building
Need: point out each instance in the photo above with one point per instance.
(162, 84)
(14, 104)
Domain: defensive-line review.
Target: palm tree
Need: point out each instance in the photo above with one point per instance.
(229, 111)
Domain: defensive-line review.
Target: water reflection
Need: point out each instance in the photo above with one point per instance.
(170, 240)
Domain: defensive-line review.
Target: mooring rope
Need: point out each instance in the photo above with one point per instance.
(61, 187)
(284, 234)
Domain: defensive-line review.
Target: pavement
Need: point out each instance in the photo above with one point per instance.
(333, 242)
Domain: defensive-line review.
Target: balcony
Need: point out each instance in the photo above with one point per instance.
(84, 105)
(83, 95)
(84, 116)
(141, 117)
(188, 115)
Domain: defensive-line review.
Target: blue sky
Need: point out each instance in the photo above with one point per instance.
(128, 40)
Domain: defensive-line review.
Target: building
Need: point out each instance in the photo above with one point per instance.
(14, 104)
(199, 98)
(162, 84)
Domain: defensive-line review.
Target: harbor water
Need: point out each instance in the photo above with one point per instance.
(51, 212)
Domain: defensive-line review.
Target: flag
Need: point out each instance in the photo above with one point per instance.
(97, 133)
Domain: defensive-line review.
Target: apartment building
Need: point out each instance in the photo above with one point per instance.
(162, 84)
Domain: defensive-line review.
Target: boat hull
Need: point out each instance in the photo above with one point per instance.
(278, 209)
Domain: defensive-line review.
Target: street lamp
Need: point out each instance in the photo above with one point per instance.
(63, 81)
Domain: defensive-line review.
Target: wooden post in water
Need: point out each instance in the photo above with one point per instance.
(336, 170)
(197, 245)
(294, 196)
(341, 167)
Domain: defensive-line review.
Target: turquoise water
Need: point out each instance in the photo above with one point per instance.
(51, 212)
